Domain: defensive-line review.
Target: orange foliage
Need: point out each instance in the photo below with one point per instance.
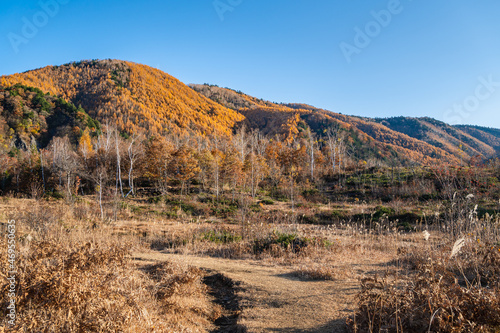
(134, 96)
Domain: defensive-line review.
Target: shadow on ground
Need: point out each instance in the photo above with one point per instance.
(335, 326)
(224, 290)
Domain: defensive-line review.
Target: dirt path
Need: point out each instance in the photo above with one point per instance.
(273, 300)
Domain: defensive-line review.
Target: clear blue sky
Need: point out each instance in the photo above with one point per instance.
(430, 58)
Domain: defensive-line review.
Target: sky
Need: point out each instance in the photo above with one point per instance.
(359, 57)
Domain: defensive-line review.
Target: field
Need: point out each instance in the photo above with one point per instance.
(358, 258)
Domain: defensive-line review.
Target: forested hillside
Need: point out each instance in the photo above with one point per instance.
(30, 118)
(490, 136)
(453, 140)
(397, 140)
(134, 97)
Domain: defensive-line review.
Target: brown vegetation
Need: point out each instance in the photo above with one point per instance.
(320, 197)
(74, 278)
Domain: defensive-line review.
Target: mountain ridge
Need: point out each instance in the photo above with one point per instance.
(137, 97)
(435, 143)
(134, 96)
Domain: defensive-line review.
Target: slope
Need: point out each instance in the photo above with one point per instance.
(368, 139)
(490, 136)
(135, 97)
(140, 98)
(30, 117)
(453, 140)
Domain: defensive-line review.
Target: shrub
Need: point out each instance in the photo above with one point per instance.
(225, 207)
(381, 211)
(93, 288)
(190, 208)
(155, 200)
(279, 194)
(286, 241)
(56, 195)
(313, 195)
(267, 202)
(435, 298)
(221, 237)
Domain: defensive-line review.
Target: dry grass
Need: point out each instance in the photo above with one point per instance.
(76, 277)
(453, 288)
(317, 271)
(87, 281)
(313, 252)
(448, 281)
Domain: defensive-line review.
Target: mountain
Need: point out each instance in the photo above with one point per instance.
(135, 97)
(369, 138)
(140, 98)
(454, 140)
(441, 140)
(490, 136)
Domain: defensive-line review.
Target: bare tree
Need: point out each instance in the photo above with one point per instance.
(218, 158)
(333, 145)
(100, 178)
(337, 147)
(65, 161)
(100, 169)
(240, 143)
(259, 142)
(311, 146)
(105, 139)
(118, 142)
(135, 151)
(255, 162)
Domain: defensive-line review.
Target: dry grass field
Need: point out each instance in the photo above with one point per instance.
(147, 271)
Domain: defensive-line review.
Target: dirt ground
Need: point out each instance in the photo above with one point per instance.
(272, 299)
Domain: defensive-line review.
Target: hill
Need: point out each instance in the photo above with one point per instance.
(140, 98)
(136, 97)
(369, 139)
(490, 136)
(461, 142)
(453, 140)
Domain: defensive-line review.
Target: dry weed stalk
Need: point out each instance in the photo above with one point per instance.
(434, 296)
(72, 277)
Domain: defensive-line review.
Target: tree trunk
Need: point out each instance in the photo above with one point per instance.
(118, 165)
(68, 181)
(100, 198)
(43, 173)
(130, 179)
(253, 176)
(217, 179)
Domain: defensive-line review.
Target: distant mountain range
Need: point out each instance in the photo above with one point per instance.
(140, 98)
(422, 140)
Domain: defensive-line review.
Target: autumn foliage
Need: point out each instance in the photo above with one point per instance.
(137, 101)
(135, 97)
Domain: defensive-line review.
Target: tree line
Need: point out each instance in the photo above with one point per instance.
(108, 162)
